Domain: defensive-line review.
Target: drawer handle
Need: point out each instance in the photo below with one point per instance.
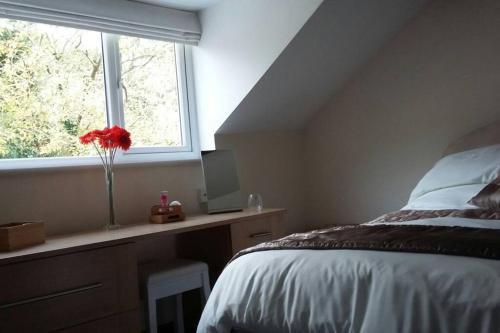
(261, 234)
(50, 296)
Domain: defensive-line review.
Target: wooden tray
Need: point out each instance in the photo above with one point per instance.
(160, 214)
(165, 218)
(18, 235)
(160, 210)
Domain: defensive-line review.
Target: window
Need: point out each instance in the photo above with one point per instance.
(150, 98)
(57, 83)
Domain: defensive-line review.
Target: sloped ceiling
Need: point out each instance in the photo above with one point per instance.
(241, 39)
(337, 40)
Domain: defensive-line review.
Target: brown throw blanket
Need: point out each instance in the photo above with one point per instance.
(460, 241)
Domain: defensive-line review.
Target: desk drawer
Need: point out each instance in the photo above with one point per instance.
(253, 232)
(61, 291)
(128, 322)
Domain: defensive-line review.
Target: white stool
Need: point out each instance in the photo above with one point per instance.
(174, 279)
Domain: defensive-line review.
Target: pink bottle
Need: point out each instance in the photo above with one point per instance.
(163, 202)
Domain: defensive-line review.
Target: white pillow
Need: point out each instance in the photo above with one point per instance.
(471, 167)
(448, 198)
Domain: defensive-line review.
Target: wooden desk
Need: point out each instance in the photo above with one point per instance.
(88, 281)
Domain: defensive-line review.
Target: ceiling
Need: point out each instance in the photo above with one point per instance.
(338, 40)
(194, 5)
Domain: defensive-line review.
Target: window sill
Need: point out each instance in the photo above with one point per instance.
(82, 162)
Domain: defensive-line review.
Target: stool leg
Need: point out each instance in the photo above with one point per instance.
(179, 320)
(205, 290)
(152, 323)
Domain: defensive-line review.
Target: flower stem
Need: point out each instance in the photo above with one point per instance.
(100, 155)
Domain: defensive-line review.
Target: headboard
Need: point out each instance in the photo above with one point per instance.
(484, 136)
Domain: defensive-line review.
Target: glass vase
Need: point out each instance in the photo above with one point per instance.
(255, 202)
(112, 224)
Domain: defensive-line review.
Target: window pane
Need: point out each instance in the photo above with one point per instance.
(150, 95)
(51, 89)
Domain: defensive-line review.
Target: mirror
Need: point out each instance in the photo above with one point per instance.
(221, 181)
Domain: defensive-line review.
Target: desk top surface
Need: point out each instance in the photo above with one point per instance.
(90, 239)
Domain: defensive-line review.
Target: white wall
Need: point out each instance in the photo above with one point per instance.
(75, 199)
(240, 40)
(71, 200)
(437, 80)
(271, 164)
(339, 38)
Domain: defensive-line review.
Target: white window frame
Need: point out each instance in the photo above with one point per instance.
(190, 149)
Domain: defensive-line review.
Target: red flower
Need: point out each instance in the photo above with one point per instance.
(109, 138)
(106, 139)
(87, 138)
(90, 137)
(121, 137)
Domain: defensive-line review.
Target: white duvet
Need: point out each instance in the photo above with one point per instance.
(357, 291)
(370, 291)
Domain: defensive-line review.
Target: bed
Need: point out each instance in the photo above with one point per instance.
(440, 271)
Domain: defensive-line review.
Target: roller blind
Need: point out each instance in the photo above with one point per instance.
(122, 17)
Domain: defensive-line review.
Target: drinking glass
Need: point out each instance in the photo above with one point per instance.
(255, 202)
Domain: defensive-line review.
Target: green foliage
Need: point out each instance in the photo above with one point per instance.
(150, 95)
(52, 90)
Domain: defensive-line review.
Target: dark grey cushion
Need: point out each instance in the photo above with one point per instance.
(488, 197)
